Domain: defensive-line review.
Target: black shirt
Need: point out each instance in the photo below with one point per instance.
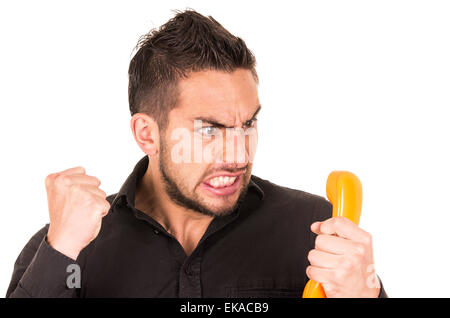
(259, 250)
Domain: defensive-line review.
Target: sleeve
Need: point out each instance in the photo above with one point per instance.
(382, 291)
(41, 271)
(323, 211)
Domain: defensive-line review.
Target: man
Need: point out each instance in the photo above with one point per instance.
(191, 220)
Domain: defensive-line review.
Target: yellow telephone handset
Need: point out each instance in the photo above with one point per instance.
(344, 191)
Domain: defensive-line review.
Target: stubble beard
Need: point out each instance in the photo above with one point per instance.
(176, 195)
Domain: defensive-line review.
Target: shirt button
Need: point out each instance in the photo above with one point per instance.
(156, 231)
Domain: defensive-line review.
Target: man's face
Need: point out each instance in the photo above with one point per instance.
(207, 148)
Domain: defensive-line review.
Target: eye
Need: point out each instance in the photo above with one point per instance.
(250, 123)
(208, 130)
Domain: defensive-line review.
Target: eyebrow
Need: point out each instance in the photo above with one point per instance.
(216, 123)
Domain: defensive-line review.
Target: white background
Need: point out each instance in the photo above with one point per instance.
(345, 85)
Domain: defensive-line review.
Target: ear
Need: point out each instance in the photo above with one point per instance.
(146, 133)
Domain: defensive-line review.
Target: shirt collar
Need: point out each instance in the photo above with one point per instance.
(128, 189)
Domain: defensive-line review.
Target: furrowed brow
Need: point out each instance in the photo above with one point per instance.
(214, 122)
(256, 112)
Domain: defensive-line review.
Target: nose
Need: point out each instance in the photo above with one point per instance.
(235, 149)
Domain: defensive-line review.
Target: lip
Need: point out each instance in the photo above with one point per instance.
(226, 190)
(224, 174)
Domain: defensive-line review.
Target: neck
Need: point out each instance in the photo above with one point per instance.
(185, 225)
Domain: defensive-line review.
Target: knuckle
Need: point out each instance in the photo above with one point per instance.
(105, 212)
(90, 199)
(96, 203)
(330, 289)
(82, 169)
(327, 222)
(340, 275)
(309, 271)
(103, 193)
(339, 221)
(61, 180)
(75, 188)
(368, 239)
(356, 262)
(319, 241)
(347, 263)
(311, 255)
(106, 205)
(323, 228)
(101, 204)
(97, 181)
(359, 249)
(49, 179)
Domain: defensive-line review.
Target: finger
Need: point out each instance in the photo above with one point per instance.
(74, 170)
(334, 244)
(102, 205)
(102, 208)
(315, 227)
(344, 228)
(95, 190)
(84, 180)
(323, 259)
(319, 274)
(106, 207)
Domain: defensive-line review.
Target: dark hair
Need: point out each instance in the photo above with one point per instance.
(188, 42)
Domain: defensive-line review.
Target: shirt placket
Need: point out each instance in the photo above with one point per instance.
(189, 276)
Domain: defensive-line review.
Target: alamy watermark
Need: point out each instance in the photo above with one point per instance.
(74, 279)
(190, 147)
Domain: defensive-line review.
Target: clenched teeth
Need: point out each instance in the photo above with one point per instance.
(220, 182)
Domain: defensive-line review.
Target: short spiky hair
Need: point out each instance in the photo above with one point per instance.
(188, 42)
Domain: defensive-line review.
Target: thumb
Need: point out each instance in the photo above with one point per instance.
(315, 227)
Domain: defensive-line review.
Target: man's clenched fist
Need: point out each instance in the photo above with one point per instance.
(76, 206)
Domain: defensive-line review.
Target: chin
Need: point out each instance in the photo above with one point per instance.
(221, 206)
